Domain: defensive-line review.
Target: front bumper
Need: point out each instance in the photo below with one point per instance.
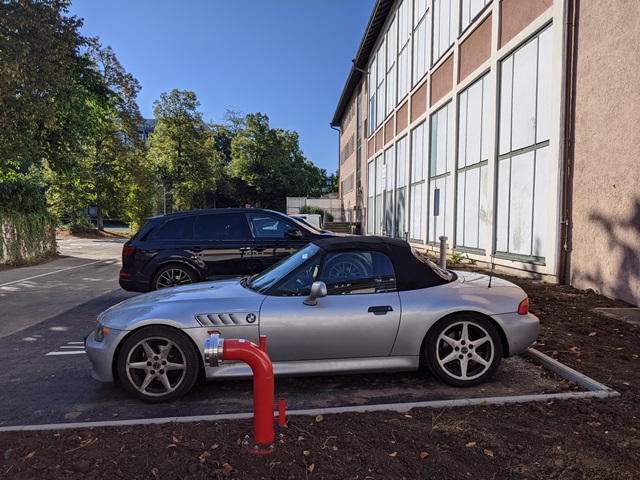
(102, 354)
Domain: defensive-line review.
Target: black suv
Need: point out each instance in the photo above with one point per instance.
(188, 247)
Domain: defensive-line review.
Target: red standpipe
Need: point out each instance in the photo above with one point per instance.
(263, 390)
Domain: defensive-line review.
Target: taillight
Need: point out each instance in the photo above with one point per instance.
(523, 308)
(128, 251)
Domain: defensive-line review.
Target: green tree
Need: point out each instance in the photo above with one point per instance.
(183, 151)
(270, 163)
(103, 173)
(39, 61)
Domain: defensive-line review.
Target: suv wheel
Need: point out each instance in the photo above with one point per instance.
(172, 275)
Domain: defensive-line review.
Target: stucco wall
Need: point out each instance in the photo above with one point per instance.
(605, 237)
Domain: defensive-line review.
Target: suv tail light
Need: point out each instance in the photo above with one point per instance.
(128, 251)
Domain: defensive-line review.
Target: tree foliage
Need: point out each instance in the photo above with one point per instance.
(269, 161)
(106, 171)
(39, 63)
(69, 124)
(183, 151)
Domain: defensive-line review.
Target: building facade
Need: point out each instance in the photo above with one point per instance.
(506, 126)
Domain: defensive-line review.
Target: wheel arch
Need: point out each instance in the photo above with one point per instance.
(180, 331)
(494, 323)
(181, 261)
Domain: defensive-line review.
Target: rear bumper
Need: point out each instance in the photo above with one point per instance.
(520, 330)
(133, 283)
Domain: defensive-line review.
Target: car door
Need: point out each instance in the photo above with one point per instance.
(220, 241)
(358, 318)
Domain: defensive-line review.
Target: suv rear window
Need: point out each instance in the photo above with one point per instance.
(175, 229)
(222, 226)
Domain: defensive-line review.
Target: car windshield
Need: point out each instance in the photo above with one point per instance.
(263, 281)
(442, 273)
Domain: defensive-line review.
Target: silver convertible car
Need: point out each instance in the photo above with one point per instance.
(339, 305)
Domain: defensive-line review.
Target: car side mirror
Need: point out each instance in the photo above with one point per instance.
(293, 233)
(318, 290)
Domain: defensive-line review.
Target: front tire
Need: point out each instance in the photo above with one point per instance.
(158, 364)
(463, 350)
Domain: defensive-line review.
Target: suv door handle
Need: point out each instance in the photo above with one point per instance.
(380, 309)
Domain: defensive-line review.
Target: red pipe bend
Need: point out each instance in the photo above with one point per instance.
(263, 390)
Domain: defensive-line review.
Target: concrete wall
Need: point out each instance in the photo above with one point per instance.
(605, 239)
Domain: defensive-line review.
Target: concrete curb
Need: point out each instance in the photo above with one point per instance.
(593, 390)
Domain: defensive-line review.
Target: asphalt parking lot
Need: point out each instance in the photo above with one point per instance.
(47, 310)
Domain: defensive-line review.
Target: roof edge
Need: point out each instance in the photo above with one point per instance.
(372, 32)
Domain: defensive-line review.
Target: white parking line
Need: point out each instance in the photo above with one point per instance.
(68, 352)
(72, 348)
(50, 273)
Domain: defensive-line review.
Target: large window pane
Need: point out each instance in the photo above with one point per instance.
(416, 191)
(443, 27)
(401, 182)
(440, 161)
(389, 210)
(371, 191)
(523, 166)
(523, 122)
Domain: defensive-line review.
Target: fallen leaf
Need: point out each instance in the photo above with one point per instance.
(300, 439)
(204, 456)
(154, 472)
(175, 440)
(227, 467)
(311, 467)
(406, 415)
(592, 334)
(214, 446)
(594, 424)
(424, 454)
(319, 418)
(471, 444)
(30, 455)
(488, 453)
(306, 453)
(393, 454)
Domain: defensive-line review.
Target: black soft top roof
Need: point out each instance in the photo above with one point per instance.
(412, 273)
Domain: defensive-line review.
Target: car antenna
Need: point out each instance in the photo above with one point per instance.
(491, 272)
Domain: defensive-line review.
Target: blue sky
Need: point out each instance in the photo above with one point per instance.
(288, 59)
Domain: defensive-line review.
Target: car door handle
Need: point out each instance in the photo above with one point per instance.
(197, 249)
(259, 249)
(380, 309)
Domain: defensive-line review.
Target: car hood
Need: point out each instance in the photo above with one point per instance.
(180, 305)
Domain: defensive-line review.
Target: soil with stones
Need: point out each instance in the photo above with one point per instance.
(576, 439)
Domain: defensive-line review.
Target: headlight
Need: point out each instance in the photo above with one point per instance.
(100, 333)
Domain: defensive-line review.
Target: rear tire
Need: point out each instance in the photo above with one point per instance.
(173, 275)
(463, 350)
(346, 266)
